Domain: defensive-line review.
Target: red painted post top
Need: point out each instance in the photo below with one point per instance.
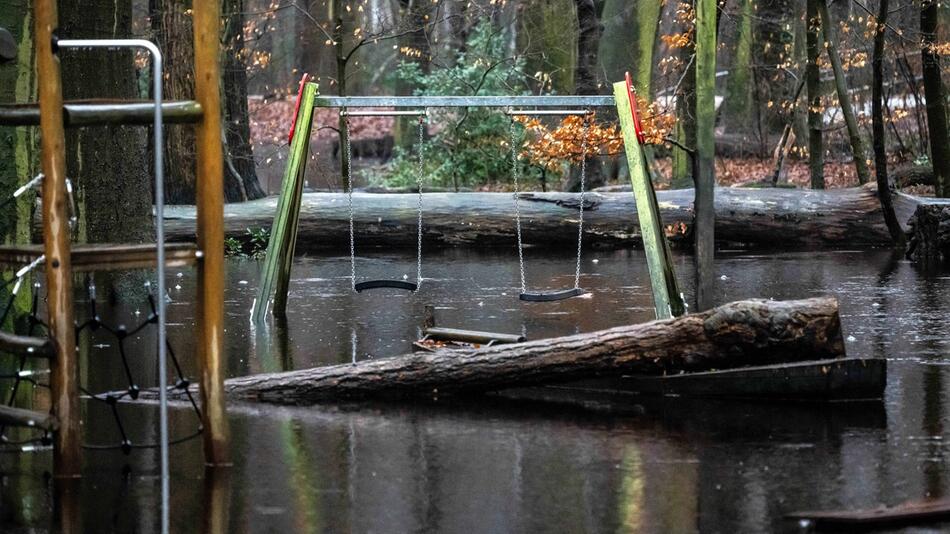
(293, 125)
(632, 95)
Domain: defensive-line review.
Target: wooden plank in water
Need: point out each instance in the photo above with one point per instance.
(471, 336)
(830, 379)
(903, 514)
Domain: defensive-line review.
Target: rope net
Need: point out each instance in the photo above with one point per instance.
(122, 334)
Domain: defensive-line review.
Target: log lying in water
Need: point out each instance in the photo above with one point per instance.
(748, 216)
(733, 335)
(930, 233)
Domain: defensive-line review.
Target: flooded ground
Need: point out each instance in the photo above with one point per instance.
(502, 466)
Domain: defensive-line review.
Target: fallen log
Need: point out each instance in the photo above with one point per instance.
(929, 233)
(753, 216)
(733, 335)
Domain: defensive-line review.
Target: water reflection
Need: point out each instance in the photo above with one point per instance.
(507, 465)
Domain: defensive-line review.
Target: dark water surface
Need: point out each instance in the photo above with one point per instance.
(502, 466)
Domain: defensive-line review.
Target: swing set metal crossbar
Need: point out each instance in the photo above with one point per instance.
(567, 101)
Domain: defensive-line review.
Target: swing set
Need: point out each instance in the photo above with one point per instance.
(275, 278)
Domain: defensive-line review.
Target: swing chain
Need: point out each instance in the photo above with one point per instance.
(516, 175)
(348, 154)
(580, 210)
(420, 170)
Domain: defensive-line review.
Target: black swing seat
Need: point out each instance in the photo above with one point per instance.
(378, 284)
(552, 296)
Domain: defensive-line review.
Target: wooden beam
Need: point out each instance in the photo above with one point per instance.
(667, 300)
(909, 513)
(39, 347)
(106, 256)
(97, 112)
(210, 231)
(27, 418)
(64, 383)
(471, 336)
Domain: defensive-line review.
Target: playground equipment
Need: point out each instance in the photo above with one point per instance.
(348, 154)
(61, 259)
(575, 291)
(275, 277)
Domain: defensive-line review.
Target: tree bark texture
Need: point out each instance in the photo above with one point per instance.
(704, 231)
(816, 150)
(109, 165)
(936, 101)
(884, 189)
(18, 146)
(240, 171)
(930, 233)
(756, 217)
(751, 332)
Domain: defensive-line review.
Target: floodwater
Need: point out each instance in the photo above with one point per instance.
(503, 466)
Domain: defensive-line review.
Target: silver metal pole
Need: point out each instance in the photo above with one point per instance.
(159, 238)
(384, 113)
(556, 101)
(533, 112)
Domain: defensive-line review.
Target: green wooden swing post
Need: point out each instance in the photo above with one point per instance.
(667, 299)
(275, 277)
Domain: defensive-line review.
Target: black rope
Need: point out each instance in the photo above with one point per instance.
(121, 333)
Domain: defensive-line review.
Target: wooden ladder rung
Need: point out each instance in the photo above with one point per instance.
(27, 418)
(39, 347)
(95, 112)
(107, 256)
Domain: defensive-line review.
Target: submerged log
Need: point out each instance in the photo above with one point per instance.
(745, 216)
(929, 234)
(733, 335)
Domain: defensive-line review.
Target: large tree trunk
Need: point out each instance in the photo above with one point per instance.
(17, 145)
(936, 102)
(108, 164)
(816, 151)
(761, 217)
(752, 332)
(884, 190)
(171, 25)
(586, 79)
(859, 153)
(705, 225)
(239, 167)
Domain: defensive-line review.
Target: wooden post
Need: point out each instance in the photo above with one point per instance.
(283, 237)
(667, 300)
(210, 230)
(64, 384)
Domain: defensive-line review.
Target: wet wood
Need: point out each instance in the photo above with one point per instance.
(106, 256)
(930, 233)
(751, 332)
(908, 513)
(39, 347)
(98, 112)
(754, 217)
(210, 232)
(471, 336)
(27, 418)
(64, 382)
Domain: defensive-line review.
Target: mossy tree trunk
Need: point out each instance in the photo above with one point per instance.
(705, 146)
(549, 40)
(858, 150)
(109, 165)
(936, 100)
(738, 104)
(685, 119)
(18, 150)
